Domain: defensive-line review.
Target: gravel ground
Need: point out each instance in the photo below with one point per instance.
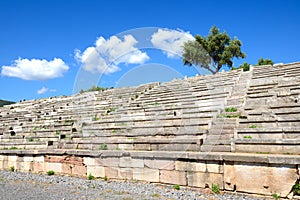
(28, 186)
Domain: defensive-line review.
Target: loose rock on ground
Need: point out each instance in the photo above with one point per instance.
(29, 186)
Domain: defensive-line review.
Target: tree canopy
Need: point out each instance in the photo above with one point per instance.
(266, 61)
(95, 88)
(212, 52)
(245, 66)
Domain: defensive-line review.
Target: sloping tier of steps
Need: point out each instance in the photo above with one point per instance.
(271, 121)
(256, 111)
(222, 128)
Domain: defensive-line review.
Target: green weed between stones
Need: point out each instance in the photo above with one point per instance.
(90, 177)
(176, 187)
(215, 188)
(50, 172)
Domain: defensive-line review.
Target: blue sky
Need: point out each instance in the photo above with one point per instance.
(33, 33)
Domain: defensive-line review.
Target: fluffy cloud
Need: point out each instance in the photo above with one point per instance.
(35, 69)
(105, 55)
(170, 41)
(42, 90)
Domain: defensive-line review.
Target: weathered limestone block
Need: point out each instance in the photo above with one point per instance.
(110, 162)
(160, 164)
(79, 170)
(39, 159)
(150, 175)
(145, 147)
(229, 177)
(96, 171)
(24, 166)
(131, 162)
(38, 167)
(111, 172)
(125, 173)
(54, 159)
(67, 168)
(12, 158)
(199, 166)
(126, 146)
(214, 167)
(203, 179)
(88, 161)
(173, 177)
(262, 179)
(2, 157)
(28, 158)
(56, 167)
(73, 160)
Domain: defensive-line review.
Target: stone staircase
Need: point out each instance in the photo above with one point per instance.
(222, 128)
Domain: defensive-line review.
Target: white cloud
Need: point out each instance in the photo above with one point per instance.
(170, 41)
(35, 69)
(105, 55)
(42, 90)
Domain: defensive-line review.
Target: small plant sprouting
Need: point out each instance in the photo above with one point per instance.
(252, 126)
(57, 132)
(103, 147)
(112, 109)
(30, 139)
(105, 178)
(276, 196)
(229, 116)
(12, 169)
(95, 118)
(90, 177)
(296, 189)
(50, 173)
(231, 109)
(114, 131)
(155, 104)
(176, 187)
(215, 188)
(247, 137)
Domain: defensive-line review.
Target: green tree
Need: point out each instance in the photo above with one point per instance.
(266, 61)
(218, 46)
(245, 66)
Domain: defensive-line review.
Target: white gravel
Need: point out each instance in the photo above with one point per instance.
(29, 186)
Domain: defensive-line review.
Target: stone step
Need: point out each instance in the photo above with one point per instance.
(221, 131)
(216, 142)
(215, 148)
(223, 125)
(219, 137)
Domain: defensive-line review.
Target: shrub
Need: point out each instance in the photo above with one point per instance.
(50, 173)
(176, 187)
(276, 196)
(12, 169)
(231, 109)
(30, 139)
(103, 147)
(155, 104)
(296, 189)
(90, 177)
(105, 178)
(215, 188)
(95, 118)
(247, 137)
(252, 126)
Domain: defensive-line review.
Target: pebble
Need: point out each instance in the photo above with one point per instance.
(29, 186)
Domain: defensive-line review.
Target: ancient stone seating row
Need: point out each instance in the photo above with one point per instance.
(271, 115)
(170, 116)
